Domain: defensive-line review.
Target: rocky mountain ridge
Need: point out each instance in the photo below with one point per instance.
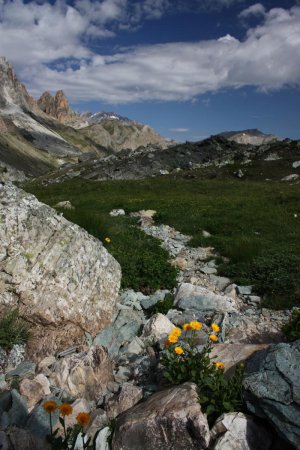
(250, 136)
(150, 161)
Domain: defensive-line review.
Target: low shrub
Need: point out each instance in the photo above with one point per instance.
(292, 328)
(13, 330)
(163, 306)
(183, 362)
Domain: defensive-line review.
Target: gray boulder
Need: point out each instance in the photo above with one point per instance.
(190, 296)
(64, 280)
(272, 388)
(168, 420)
(236, 431)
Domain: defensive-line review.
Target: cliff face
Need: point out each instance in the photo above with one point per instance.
(12, 92)
(57, 106)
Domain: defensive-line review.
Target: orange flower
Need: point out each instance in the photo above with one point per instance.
(179, 350)
(50, 406)
(215, 327)
(176, 332)
(213, 338)
(65, 409)
(186, 327)
(196, 325)
(173, 339)
(83, 418)
(220, 365)
(166, 344)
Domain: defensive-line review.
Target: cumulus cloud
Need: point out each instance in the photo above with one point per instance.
(254, 10)
(49, 46)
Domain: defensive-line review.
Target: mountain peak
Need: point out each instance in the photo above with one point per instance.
(56, 106)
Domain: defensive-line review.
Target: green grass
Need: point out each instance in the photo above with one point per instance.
(252, 222)
(13, 330)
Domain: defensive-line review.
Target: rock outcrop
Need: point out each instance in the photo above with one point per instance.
(168, 420)
(57, 106)
(272, 388)
(62, 279)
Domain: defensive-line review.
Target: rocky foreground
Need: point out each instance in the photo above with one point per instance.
(100, 349)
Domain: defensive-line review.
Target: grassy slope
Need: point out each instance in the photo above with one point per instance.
(251, 221)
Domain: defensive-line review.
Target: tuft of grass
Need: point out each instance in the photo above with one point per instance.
(13, 330)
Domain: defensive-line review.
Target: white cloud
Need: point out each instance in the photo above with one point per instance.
(254, 10)
(179, 130)
(47, 44)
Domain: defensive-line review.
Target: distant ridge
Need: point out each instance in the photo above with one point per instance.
(251, 136)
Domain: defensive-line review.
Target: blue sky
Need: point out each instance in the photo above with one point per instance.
(189, 68)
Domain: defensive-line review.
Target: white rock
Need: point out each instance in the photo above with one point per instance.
(190, 296)
(292, 177)
(236, 431)
(64, 205)
(117, 212)
(296, 164)
(158, 326)
(102, 439)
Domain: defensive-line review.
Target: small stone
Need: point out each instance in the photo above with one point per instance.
(180, 263)
(64, 205)
(46, 362)
(208, 270)
(254, 299)
(157, 327)
(98, 421)
(292, 177)
(135, 347)
(206, 234)
(220, 282)
(236, 431)
(122, 375)
(129, 396)
(190, 296)
(296, 164)
(117, 212)
(102, 439)
(34, 390)
(113, 387)
(244, 290)
(24, 370)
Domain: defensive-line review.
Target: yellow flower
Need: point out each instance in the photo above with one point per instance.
(186, 327)
(215, 327)
(65, 409)
(50, 406)
(83, 418)
(179, 350)
(213, 338)
(108, 240)
(196, 325)
(176, 332)
(173, 339)
(220, 365)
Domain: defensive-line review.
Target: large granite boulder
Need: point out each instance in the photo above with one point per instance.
(272, 388)
(169, 420)
(63, 279)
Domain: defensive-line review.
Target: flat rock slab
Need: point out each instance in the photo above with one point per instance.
(190, 296)
(169, 420)
(233, 354)
(272, 388)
